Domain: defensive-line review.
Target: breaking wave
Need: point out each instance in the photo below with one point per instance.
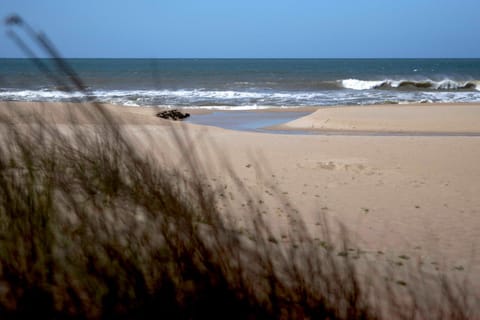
(251, 99)
(444, 85)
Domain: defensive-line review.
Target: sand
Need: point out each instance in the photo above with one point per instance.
(419, 118)
(410, 196)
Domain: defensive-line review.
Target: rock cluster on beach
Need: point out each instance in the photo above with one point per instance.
(173, 115)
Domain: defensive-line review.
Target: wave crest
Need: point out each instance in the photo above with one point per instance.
(446, 84)
(244, 100)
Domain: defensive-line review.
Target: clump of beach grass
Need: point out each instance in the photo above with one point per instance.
(90, 227)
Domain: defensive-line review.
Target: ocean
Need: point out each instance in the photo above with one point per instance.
(242, 84)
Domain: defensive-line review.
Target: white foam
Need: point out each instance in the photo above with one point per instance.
(356, 84)
(40, 94)
(263, 99)
(445, 84)
(239, 108)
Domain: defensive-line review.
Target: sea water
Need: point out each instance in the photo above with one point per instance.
(242, 84)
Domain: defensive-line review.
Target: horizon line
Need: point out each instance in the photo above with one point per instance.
(252, 58)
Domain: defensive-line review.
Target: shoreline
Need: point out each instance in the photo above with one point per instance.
(442, 119)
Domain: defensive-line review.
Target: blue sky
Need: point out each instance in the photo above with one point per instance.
(252, 28)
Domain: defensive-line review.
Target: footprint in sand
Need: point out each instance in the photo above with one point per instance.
(327, 165)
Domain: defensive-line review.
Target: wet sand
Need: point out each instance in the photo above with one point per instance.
(250, 121)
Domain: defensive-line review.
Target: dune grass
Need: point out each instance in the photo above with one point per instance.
(89, 227)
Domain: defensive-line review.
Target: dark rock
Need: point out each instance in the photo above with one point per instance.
(173, 115)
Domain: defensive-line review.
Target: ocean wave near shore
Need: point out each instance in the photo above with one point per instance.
(427, 84)
(251, 83)
(247, 99)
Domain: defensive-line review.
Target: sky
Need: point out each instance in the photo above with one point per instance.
(251, 28)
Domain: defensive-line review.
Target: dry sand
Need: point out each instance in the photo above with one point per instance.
(415, 118)
(414, 198)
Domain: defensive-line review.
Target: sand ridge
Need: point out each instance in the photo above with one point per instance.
(419, 118)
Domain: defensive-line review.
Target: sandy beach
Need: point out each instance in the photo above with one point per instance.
(409, 118)
(411, 196)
